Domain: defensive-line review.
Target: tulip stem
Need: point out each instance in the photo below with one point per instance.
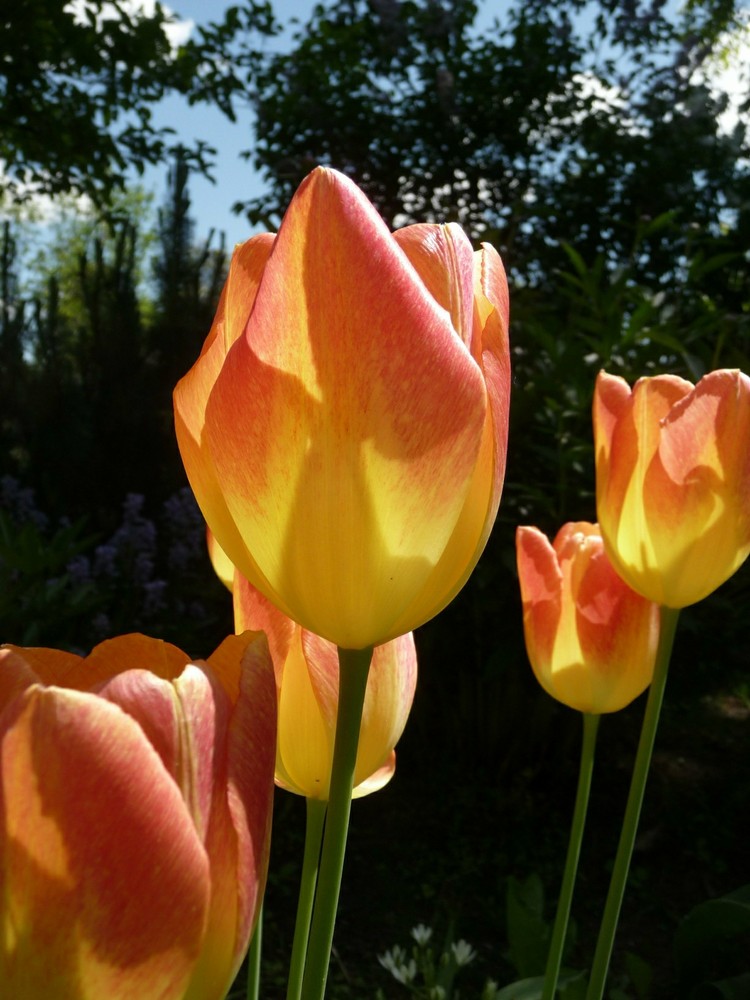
(608, 927)
(557, 944)
(253, 959)
(316, 815)
(354, 666)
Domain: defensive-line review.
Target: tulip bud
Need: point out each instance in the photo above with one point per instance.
(344, 429)
(591, 640)
(673, 481)
(136, 792)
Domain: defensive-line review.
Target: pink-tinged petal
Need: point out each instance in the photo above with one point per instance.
(308, 705)
(253, 611)
(388, 700)
(185, 721)
(192, 392)
(626, 430)
(378, 779)
(91, 827)
(541, 584)
(491, 280)
(251, 753)
(344, 427)
(612, 396)
(697, 490)
(619, 634)
(490, 347)
(443, 258)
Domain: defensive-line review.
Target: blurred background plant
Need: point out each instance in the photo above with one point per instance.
(595, 146)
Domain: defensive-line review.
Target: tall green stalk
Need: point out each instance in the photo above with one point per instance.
(354, 667)
(608, 927)
(316, 815)
(253, 960)
(557, 944)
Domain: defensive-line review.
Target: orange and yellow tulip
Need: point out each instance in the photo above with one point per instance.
(673, 481)
(344, 429)
(591, 640)
(307, 685)
(136, 791)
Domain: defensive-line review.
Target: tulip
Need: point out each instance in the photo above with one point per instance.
(307, 684)
(673, 481)
(344, 428)
(135, 803)
(591, 640)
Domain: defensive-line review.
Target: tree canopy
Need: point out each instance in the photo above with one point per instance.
(79, 81)
(560, 122)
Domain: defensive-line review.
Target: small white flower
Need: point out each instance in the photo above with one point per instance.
(395, 962)
(421, 934)
(463, 953)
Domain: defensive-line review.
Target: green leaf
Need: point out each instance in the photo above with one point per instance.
(528, 934)
(641, 975)
(712, 940)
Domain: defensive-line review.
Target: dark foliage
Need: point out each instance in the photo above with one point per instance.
(78, 84)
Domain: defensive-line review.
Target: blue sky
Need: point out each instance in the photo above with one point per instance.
(235, 178)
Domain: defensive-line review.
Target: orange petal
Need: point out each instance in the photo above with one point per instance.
(541, 588)
(16, 675)
(192, 392)
(251, 753)
(490, 347)
(444, 260)
(87, 910)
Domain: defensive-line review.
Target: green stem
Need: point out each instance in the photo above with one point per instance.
(605, 942)
(557, 944)
(354, 666)
(253, 960)
(316, 815)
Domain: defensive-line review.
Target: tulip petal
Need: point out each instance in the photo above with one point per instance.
(250, 756)
(541, 586)
(388, 699)
(443, 258)
(50, 666)
(192, 392)
(82, 792)
(329, 426)
(253, 611)
(378, 779)
(305, 737)
(490, 347)
(16, 676)
(184, 721)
